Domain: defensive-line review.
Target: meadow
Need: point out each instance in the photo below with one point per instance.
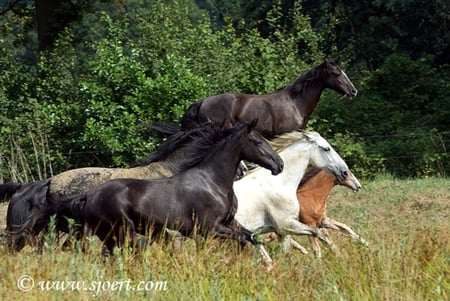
(406, 223)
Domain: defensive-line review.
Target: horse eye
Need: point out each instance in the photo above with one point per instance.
(325, 148)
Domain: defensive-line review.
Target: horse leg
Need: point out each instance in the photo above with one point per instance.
(333, 224)
(130, 229)
(243, 236)
(273, 236)
(177, 241)
(293, 226)
(86, 233)
(298, 246)
(316, 247)
(105, 232)
(265, 256)
(108, 248)
(287, 242)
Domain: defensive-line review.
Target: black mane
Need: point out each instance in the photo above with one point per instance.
(176, 139)
(205, 143)
(305, 79)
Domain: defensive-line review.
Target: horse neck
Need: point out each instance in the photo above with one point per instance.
(306, 92)
(296, 161)
(319, 186)
(222, 163)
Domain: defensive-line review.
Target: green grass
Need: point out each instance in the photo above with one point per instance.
(406, 223)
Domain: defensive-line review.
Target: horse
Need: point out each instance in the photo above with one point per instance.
(26, 217)
(312, 194)
(269, 204)
(279, 112)
(198, 200)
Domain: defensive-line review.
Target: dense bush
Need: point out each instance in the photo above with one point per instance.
(400, 119)
(99, 86)
(87, 101)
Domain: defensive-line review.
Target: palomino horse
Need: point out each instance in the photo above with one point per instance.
(198, 198)
(26, 218)
(279, 112)
(312, 194)
(269, 204)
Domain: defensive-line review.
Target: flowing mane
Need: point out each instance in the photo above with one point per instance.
(302, 83)
(176, 140)
(207, 142)
(280, 143)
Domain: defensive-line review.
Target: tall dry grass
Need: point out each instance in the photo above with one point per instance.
(405, 221)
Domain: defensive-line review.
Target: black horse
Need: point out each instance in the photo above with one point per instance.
(199, 198)
(280, 112)
(26, 215)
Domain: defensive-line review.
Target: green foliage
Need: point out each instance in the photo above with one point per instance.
(146, 61)
(369, 31)
(87, 100)
(400, 117)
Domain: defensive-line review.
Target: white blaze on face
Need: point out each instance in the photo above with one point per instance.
(348, 80)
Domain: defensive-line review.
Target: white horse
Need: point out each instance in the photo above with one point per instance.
(268, 203)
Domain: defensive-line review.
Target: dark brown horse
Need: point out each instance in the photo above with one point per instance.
(199, 198)
(282, 111)
(26, 216)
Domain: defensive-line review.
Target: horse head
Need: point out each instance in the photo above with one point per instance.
(351, 182)
(337, 80)
(325, 157)
(256, 149)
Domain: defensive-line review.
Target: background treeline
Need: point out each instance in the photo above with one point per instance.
(85, 95)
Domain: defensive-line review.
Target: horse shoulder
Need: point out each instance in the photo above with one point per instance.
(312, 206)
(280, 113)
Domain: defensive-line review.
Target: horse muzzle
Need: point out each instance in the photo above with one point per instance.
(279, 166)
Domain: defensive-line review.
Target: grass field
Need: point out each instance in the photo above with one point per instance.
(406, 222)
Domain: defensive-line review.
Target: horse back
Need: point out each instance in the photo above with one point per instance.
(217, 108)
(276, 112)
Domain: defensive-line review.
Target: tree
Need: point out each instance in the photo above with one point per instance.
(371, 30)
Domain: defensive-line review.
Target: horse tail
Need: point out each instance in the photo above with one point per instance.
(7, 190)
(191, 116)
(26, 215)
